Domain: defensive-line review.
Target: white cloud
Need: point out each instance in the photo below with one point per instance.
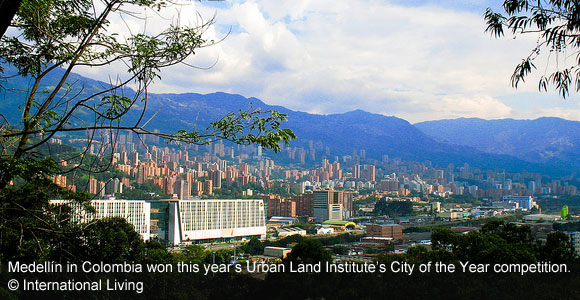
(419, 62)
(478, 106)
(560, 112)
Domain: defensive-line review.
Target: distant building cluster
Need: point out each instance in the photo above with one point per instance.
(309, 183)
(194, 171)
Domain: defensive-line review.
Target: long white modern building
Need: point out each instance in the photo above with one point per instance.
(136, 212)
(220, 219)
(184, 221)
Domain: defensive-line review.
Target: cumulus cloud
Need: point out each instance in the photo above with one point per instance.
(420, 60)
(477, 106)
(560, 112)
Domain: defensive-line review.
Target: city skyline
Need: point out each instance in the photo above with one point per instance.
(139, 160)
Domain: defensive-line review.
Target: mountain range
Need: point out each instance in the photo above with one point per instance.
(547, 145)
(544, 140)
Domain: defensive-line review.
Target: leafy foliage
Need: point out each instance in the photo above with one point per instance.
(501, 242)
(112, 241)
(393, 208)
(557, 249)
(30, 227)
(308, 251)
(253, 247)
(569, 226)
(51, 38)
(557, 26)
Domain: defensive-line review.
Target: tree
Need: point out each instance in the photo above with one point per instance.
(393, 208)
(51, 39)
(253, 247)
(30, 227)
(496, 242)
(56, 37)
(556, 23)
(193, 254)
(113, 240)
(416, 254)
(340, 250)
(444, 239)
(510, 232)
(308, 251)
(557, 249)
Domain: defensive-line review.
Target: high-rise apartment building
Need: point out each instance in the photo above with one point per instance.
(328, 205)
(304, 204)
(208, 187)
(216, 178)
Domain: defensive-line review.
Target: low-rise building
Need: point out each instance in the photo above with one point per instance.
(280, 252)
(394, 231)
(451, 215)
(538, 217)
(288, 231)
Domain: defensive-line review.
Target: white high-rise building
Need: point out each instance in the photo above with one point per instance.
(136, 212)
(182, 221)
(219, 219)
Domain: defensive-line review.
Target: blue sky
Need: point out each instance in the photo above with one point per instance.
(418, 60)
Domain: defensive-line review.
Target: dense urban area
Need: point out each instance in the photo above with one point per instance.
(222, 196)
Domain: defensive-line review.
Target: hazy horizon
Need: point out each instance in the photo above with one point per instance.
(418, 60)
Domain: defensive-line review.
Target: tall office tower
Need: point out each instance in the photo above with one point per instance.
(328, 205)
(223, 165)
(93, 186)
(182, 189)
(304, 204)
(244, 169)
(363, 154)
(356, 171)
(208, 187)
(124, 158)
(197, 188)
(301, 155)
(532, 186)
(135, 158)
(216, 178)
(169, 184)
(368, 173)
(59, 180)
(148, 156)
(114, 186)
(347, 207)
(101, 189)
